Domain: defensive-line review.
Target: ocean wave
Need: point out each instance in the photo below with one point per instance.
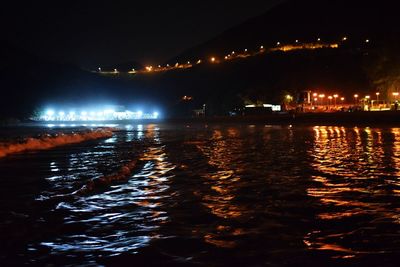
(124, 172)
(51, 141)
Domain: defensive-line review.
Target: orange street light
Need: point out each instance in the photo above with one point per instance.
(377, 96)
(213, 59)
(355, 98)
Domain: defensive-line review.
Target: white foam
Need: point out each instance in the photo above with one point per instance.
(48, 142)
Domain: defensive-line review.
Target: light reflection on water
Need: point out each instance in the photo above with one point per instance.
(247, 194)
(356, 180)
(125, 216)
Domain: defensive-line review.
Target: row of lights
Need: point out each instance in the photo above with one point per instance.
(317, 96)
(51, 115)
(214, 59)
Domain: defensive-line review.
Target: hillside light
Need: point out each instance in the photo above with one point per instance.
(319, 39)
(278, 43)
(344, 38)
(213, 59)
(262, 47)
(367, 41)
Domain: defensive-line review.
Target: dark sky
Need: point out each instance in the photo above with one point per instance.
(92, 33)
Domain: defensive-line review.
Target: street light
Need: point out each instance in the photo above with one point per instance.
(377, 96)
(335, 96)
(322, 98)
(395, 94)
(355, 98)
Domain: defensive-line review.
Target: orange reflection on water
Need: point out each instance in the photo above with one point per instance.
(350, 171)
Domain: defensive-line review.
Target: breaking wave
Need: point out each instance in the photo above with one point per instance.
(51, 141)
(124, 172)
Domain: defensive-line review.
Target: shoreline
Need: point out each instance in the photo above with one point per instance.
(364, 118)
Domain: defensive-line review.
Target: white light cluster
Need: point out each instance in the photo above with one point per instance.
(96, 115)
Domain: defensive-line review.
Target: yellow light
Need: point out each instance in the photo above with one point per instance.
(315, 99)
(342, 98)
(199, 61)
(288, 97)
(335, 96)
(355, 96)
(315, 94)
(377, 93)
(344, 38)
(330, 97)
(395, 94)
(278, 43)
(367, 97)
(213, 59)
(319, 39)
(226, 57)
(262, 47)
(321, 96)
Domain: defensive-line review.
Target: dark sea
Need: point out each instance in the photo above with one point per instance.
(204, 195)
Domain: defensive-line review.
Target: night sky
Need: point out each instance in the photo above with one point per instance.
(93, 33)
